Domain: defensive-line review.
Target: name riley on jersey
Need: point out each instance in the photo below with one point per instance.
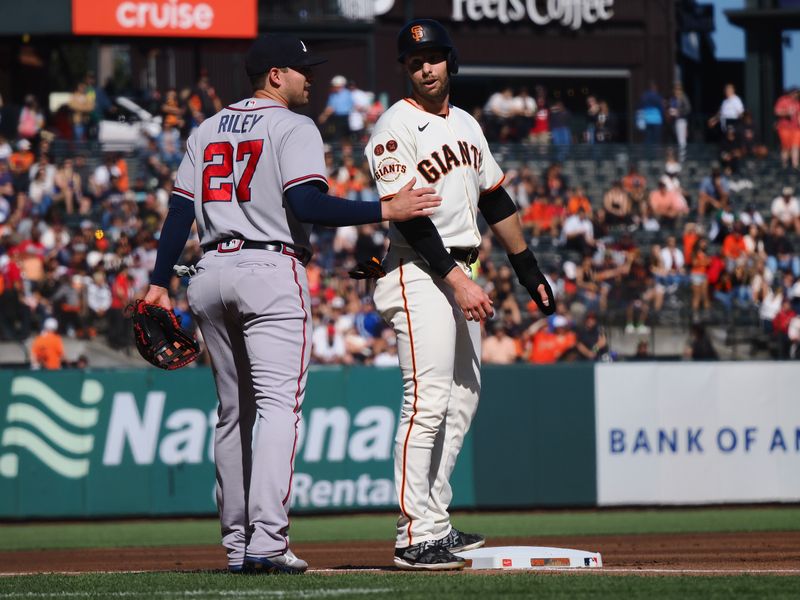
(433, 167)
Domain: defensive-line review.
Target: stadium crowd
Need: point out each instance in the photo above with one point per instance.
(78, 236)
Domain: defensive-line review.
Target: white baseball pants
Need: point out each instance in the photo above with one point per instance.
(439, 352)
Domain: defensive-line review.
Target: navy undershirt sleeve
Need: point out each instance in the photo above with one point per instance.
(310, 205)
(174, 234)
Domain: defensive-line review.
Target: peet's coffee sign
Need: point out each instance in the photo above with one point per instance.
(570, 13)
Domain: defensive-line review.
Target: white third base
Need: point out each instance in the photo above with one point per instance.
(530, 557)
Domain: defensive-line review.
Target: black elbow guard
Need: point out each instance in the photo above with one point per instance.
(496, 206)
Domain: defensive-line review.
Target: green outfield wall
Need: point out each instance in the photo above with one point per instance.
(82, 444)
(533, 438)
(139, 442)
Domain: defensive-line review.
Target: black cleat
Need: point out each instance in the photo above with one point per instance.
(427, 556)
(458, 541)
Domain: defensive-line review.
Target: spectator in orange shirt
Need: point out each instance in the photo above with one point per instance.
(171, 110)
(543, 215)
(787, 110)
(690, 237)
(547, 347)
(123, 181)
(577, 200)
(699, 275)
(47, 350)
(734, 246)
(21, 161)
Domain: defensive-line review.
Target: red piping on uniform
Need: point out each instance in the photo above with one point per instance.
(182, 191)
(252, 109)
(414, 413)
(494, 187)
(299, 380)
(304, 177)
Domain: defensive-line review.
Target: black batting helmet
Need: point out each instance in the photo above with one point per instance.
(426, 33)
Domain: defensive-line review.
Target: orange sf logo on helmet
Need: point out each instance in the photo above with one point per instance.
(417, 32)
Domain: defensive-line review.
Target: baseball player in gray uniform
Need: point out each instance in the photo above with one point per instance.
(253, 178)
(428, 295)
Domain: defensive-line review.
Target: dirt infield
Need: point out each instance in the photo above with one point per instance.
(712, 553)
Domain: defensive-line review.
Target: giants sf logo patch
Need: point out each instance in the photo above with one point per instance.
(417, 32)
(389, 169)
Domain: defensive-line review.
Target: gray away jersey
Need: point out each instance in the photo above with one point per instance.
(239, 163)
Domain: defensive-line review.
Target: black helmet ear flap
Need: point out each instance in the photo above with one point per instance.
(452, 61)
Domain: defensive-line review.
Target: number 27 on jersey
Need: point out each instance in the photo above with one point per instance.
(218, 175)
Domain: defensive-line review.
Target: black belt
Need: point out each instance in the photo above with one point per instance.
(234, 245)
(467, 255)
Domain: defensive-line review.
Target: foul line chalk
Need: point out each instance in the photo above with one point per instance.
(205, 593)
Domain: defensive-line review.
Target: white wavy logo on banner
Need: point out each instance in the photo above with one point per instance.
(44, 434)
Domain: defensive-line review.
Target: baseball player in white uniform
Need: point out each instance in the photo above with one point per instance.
(427, 294)
(253, 178)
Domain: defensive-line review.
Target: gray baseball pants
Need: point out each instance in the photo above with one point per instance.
(253, 309)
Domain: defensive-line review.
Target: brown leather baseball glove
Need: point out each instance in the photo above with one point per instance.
(159, 337)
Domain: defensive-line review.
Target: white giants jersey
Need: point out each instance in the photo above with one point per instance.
(239, 163)
(447, 153)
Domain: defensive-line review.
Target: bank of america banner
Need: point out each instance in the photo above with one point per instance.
(697, 433)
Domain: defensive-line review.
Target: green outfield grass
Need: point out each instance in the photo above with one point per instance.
(381, 527)
(221, 585)
(208, 586)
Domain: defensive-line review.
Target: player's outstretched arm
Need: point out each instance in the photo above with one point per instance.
(311, 205)
(410, 203)
(500, 213)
